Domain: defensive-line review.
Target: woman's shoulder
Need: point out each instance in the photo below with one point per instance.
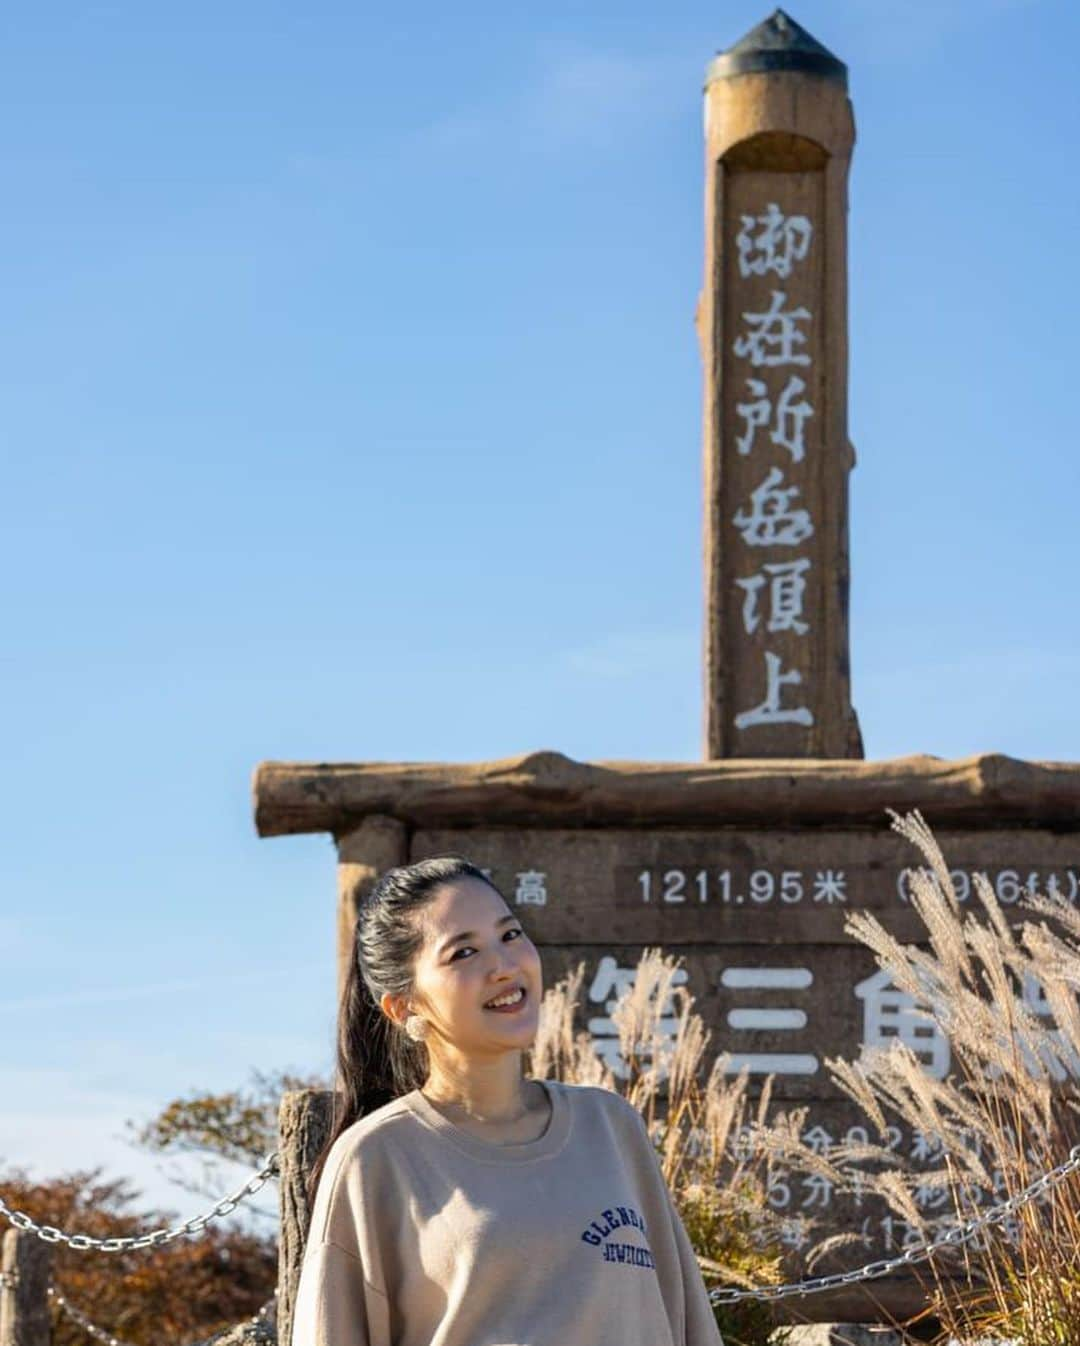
(370, 1133)
(596, 1097)
(378, 1122)
(359, 1174)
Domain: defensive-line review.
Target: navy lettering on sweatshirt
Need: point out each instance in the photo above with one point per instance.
(598, 1232)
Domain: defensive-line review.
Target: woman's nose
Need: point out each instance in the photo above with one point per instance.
(503, 961)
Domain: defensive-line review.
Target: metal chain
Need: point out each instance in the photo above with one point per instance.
(8, 1279)
(113, 1245)
(812, 1285)
(109, 1340)
(957, 1235)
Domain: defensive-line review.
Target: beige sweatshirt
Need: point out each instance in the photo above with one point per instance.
(425, 1235)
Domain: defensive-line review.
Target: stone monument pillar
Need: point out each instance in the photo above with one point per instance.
(772, 322)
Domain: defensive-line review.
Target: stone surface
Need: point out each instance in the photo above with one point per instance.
(244, 1334)
(376, 844)
(841, 1334)
(740, 886)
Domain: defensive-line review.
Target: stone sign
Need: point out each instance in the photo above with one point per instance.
(602, 860)
(758, 919)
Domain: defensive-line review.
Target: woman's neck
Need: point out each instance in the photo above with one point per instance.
(494, 1091)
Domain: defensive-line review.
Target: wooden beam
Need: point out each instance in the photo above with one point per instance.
(547, 789)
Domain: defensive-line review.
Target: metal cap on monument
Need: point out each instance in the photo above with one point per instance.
(778, 43)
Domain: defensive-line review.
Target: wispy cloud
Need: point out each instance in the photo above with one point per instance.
(14, 935)
(151, 990)
(988, 670)
(896, 31)
(977, 701)
(584, 95)
(629, 654)
(574, 97)
(58, 1122)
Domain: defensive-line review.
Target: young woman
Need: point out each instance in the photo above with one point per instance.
(470, 1205)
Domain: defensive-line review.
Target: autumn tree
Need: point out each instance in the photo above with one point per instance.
(194, 1286)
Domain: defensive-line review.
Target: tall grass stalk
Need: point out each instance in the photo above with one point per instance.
(701, 1124)
(1004, 994)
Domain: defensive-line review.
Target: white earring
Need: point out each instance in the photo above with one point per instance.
(416, 1028)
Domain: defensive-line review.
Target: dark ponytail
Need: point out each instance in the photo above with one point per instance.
(376, 1061)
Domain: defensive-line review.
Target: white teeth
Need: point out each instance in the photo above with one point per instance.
(510, 999)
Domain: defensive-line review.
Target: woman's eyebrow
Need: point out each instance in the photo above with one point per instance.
(471, 934)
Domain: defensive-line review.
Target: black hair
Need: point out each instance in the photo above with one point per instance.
(377, 1062)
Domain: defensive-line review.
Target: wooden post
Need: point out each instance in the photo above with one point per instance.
(304, 1119)
(26, 1267)
(376, 845)
(772, 322)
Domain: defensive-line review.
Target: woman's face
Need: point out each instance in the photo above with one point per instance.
(475, 950)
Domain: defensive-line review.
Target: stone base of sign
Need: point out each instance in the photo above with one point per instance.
(244, 1334)
(839, 1334)
(859, 1334)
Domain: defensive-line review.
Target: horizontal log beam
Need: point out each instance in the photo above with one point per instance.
(547, 789)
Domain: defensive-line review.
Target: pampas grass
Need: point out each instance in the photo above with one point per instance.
(700, 1123)
(1005, 996)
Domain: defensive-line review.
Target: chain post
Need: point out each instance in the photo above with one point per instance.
(25, 1266)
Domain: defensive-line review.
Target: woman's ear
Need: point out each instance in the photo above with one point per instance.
(394, 1007)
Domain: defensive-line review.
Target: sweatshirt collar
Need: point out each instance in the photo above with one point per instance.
(520, 1152)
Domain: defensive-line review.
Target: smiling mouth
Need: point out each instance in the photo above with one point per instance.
(514, 1004)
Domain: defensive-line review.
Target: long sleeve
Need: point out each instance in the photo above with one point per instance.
(700, 1321)
(335, 1304)
(701, 1328)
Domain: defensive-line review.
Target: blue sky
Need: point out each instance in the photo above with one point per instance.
(350, 410)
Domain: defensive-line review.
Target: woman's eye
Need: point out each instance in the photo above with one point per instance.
(515, 931)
